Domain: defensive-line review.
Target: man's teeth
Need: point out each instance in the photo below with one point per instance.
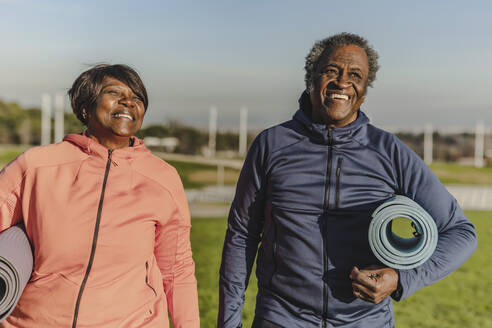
(124, 115)
(338, 96)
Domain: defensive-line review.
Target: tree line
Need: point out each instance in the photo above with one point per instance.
(23, 126)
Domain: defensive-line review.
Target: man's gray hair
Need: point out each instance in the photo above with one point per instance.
(333, 42)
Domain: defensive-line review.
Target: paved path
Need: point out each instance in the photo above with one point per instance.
(225, 162)
(208, 210)
(472, 197)
(214, 201)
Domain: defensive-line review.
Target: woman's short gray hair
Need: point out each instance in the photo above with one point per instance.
(333, 42)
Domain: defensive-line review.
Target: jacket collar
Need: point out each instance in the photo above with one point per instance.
(321, 133)
(92, 147)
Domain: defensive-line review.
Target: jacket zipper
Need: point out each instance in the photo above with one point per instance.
(324, 225)
(337, 189)
(94, 241)
(147, 277)
(326, 204)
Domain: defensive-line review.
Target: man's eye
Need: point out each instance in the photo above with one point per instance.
(355, 75)
(330, 71)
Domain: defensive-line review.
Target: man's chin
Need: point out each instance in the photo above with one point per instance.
(337, 116)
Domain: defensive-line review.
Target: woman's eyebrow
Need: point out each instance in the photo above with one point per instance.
(111, 85)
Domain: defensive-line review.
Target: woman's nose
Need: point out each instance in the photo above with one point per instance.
(127, 101)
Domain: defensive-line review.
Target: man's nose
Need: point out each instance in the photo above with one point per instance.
(343, 81)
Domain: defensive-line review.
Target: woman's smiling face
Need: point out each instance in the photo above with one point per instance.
(119, 111)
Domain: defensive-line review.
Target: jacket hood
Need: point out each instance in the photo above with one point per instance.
(320, 132)
(92, 147)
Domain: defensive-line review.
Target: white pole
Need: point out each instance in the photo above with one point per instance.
(212, 131)
(45, 119)
(243, 131)
(479, 144)
(428, 143)
(59, 116)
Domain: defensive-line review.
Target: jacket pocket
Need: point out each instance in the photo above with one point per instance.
(147, 279)
(337, 185)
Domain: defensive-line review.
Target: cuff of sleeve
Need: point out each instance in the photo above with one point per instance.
(397, 294)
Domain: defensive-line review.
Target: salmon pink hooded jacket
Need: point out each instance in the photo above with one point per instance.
(110, 233)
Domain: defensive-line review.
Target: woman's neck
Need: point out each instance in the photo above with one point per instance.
(112, 141)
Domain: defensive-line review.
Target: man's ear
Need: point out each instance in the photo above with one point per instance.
(309, 87)
(305, 101)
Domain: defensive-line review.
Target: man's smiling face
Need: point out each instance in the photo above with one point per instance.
(339, 85)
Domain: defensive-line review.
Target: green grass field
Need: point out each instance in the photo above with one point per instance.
(7, 154)
(463, 299)
(192, 175)
(199, 175)
(450, 173)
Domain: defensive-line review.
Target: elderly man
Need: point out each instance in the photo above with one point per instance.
(307, 191)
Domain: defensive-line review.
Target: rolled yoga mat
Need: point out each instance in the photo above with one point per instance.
(16, 264)
(393, 250)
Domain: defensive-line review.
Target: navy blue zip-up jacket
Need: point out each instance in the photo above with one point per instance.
(305, 195)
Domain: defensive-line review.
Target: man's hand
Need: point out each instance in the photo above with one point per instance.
(373, 284)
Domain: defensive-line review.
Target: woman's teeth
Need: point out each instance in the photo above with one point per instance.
(124, 116)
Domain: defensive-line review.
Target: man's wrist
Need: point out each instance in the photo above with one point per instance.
(396, 295)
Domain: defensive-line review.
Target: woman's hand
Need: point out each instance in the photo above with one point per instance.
(373, 284)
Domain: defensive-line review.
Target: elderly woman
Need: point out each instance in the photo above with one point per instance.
(108, 221)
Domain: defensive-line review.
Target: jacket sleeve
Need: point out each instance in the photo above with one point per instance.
(11, 180)
(245, 224)
(457, 238)
(173, 253)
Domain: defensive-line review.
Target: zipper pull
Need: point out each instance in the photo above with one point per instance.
(110, 152)
(339, 166)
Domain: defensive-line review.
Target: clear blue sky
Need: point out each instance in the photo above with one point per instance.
(435, 56)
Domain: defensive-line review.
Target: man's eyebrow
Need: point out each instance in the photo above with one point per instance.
(328, 65)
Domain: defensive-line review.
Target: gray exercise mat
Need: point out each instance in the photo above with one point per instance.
(16, 264)
(397, 252)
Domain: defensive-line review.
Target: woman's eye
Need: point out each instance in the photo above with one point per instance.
(112, 92)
